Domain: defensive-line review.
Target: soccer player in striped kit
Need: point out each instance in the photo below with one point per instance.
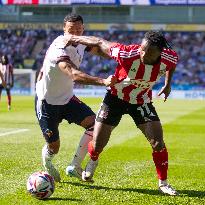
(7, 70)
(139, 68)
(2, 81)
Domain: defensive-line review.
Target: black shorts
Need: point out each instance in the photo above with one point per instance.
(49, 116)
(113, 108)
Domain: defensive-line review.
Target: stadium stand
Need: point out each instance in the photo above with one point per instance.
(20, 45)
(190, 69)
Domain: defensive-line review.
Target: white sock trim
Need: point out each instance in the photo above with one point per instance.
(162, 182)
(47, 155)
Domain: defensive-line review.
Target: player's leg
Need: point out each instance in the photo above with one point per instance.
(82, 115)
(101, 137)
(148, 122)
(153, 132)
(48, 153)
(48, 121)
(75, 169)
(107, 118)
(8, 92)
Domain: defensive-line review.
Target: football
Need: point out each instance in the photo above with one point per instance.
(40, 185)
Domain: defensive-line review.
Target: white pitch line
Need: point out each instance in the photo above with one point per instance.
(13, 132)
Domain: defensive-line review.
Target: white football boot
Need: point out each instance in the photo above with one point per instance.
(74, 171)
(87, 175)
(166, 188)
(52, 171)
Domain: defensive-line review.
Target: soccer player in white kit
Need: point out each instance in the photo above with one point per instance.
(55, 100)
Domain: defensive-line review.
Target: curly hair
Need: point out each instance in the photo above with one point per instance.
(156, 38)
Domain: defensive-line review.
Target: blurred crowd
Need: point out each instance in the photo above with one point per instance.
(190, 46)
(17, 45)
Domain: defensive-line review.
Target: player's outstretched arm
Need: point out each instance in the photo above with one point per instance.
(78, 76)
(2, 79)
(92, 41)
(166, 89)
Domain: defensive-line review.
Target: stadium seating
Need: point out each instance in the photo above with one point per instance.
(190, 46)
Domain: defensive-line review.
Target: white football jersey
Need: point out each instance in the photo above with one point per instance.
(55, 86)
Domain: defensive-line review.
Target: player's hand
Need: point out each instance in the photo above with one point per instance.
(110, 81)
(67, 40)
(71, 38)
(166, 90)
(8, 86)
(4, 83)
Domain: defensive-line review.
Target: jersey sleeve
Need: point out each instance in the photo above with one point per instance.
(170, 58)
(120, 51)
(60, 42)
(56, 53)
(63, 58)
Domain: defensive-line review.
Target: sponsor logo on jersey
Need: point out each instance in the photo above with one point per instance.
(141, 83)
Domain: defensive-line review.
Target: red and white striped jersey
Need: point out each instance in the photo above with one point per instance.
(7, 71)
(135, 79)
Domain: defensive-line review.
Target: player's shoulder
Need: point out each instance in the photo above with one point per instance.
(125, 47)
(169, 56)
(167, 52)
(59, 42)
(125, 51)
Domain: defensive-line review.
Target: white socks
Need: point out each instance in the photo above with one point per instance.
(47, 155)
(82, 148)
(162, 182)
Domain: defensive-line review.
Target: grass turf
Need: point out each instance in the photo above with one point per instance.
(126, 173)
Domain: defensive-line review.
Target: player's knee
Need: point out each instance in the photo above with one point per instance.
(88, 121)
(54, 147)
(52, 140)
(90, 128)
(157, 145)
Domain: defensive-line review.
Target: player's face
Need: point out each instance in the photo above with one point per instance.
(74, 28)
(149, 54)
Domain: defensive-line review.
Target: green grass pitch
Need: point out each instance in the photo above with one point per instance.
(126, 173)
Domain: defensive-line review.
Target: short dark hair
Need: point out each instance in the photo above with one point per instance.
(157, 38)
(73, 18)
